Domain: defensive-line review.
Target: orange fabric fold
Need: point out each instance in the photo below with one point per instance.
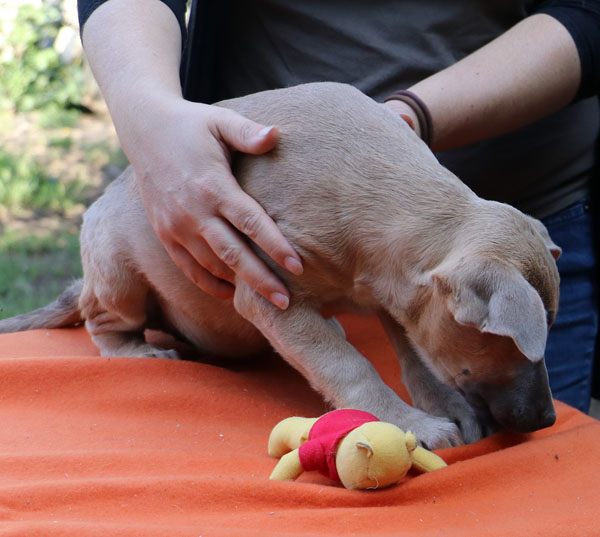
(93, 446)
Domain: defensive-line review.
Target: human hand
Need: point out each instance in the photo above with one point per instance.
(195, 205)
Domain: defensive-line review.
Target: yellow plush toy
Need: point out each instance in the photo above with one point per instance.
(349, 446)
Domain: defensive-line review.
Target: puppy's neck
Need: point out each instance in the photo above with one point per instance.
(414, 248)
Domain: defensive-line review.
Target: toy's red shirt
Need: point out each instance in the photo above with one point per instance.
(318, 452)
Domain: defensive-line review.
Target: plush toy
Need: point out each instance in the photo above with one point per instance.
(349, 446)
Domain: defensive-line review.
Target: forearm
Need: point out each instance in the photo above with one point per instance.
(528, 72)
(136, 63)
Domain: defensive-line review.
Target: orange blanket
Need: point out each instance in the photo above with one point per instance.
(94, 446)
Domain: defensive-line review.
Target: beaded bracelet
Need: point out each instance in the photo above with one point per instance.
(419, 108)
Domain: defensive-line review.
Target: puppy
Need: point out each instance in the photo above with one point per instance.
(466, 288)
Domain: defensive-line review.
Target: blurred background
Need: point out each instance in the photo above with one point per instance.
(58, 150)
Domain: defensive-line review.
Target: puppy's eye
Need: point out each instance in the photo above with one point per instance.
(550, 316)
(465, 371)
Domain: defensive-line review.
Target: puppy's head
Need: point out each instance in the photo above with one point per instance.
(484, 322)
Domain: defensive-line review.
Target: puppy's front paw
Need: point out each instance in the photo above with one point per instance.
(450, 404)
(434, 432)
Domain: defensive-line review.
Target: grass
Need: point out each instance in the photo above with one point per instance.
(37, 261)
(53, 117)
(34, 269)
(25, 184)
(64, 142)
(35, 265)
(105, 153)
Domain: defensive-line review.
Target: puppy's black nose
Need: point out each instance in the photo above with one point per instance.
(527, 419)
(547, 417)
(526, 405)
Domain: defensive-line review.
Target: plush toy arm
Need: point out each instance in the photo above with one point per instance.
(426, 461)
(289, 434)
(288, 467)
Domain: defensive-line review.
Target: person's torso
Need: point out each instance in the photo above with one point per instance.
(387, 45)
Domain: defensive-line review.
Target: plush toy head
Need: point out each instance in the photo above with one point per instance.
(374, 455)
(350, 446)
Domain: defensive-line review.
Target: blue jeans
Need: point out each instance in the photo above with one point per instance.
(570, 348)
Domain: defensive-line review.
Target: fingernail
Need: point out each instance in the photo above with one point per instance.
(280, 300)
(264, 132)
(293, 265)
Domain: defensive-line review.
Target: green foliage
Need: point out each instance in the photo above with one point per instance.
(34, 76)
(34, 270)
(105, 153)
(53, 116)
(63, 142)
(25, 184)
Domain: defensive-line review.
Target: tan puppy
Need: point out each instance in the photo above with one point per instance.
(466, 288)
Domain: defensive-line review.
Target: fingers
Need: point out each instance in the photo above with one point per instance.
(212, 252)
(198, 274)
(245, 135)
(203, 239)
(229, 248)
(247, 216)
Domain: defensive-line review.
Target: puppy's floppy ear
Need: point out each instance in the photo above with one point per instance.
(554, 250)
(541, 230)
(497, 299)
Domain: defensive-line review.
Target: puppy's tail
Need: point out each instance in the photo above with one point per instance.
(63, 312)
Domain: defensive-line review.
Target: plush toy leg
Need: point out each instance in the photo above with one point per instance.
(426, 461)
(289, 434)
(288, 467)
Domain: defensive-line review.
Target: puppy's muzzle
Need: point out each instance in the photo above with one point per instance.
(523, 406)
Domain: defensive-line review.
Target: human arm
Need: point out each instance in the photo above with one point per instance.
(528, 72)
(180, 152)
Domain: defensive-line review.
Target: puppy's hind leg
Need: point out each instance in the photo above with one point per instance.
(115, 306)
